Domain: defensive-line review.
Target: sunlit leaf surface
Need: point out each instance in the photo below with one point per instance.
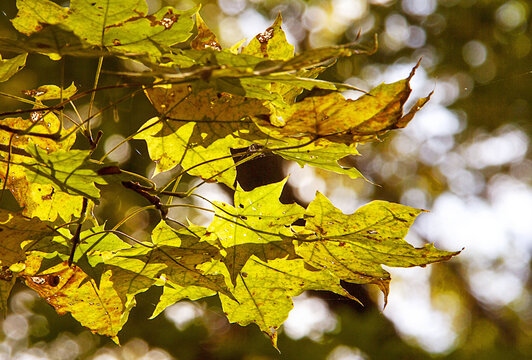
(9, 67)
(213, 110)
(354, 247)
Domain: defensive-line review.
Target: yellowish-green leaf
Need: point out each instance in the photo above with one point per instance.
(69, 171)
(10, 67)
(33, 16)
(353, 247)
(131, 276)
(322, 155)
(120, 26)
(42, 201)
(146, 34)
(257, 218)
(67, 289)
(198, 130)
(237, 256)
(51, 92)
(175, 255)
(173, 293)
(17, 232)
(171, 144)
(271, 44)
(264, 292)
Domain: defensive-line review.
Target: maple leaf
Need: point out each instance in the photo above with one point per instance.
(205, 38)
(198, 130)
(36, 199)
(271, 44)
(354, 247)
(263, 292)
(346, 121)
(94, 245)
(237, 256)
(173, 293)
(18, 233)
(67, 289)
(321, 155)
(174, 255)
(10, 67)
(257, 218)
(122, 27)
(214, 105)
(51, 92)
(69, 171)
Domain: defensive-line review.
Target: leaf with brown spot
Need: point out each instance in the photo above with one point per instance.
(205, 37)
(345, 121)
(271, 44)
(68, 289)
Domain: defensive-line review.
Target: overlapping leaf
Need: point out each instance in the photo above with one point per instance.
(18, 232)
(346, 121)
(257, 218)
(173, 256)
(70, 171)
(211, 102)
(322, 155)
(10, 67)
(67, 289)
(120, 26)
(237, 256)
(263, 292)
(353, 247)
(40, 200)
(93, 246)
(173, 293)
(198, 130)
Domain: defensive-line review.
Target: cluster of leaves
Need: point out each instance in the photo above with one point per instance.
(215, 106)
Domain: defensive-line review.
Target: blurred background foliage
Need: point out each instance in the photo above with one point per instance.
(465, 157)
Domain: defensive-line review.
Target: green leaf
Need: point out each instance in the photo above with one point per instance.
(120, 26)
(10, 67)
(264, 289)
(69, 171)
(353, 247)
(257, 218)
(176, 256)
